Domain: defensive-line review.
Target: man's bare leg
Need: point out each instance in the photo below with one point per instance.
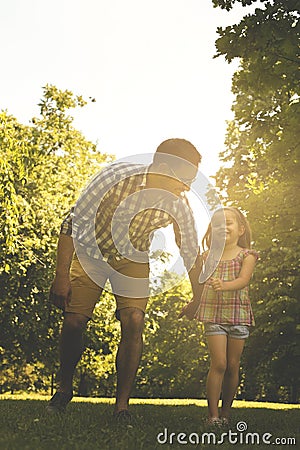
(71, 348)
(129, 354)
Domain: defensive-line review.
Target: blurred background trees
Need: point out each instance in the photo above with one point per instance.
(43, 167)
(260, 174)
(45, 164)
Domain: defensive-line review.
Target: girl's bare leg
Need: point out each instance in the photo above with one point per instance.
(217, 345)
(231, 377)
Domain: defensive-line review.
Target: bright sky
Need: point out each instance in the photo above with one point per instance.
(148, 63)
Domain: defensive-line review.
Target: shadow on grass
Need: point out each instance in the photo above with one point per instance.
(26, 425)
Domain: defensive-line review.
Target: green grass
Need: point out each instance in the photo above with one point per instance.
(88, 424)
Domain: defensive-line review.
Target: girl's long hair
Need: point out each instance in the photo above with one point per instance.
(244, 240)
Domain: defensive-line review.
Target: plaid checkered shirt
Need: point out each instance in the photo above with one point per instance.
(115, 215)
(227, 307)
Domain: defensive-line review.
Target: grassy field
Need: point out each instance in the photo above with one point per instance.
(88, 424)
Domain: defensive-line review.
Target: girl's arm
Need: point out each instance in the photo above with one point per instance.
(241, 281)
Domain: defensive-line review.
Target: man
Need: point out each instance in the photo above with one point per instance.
(107, 236)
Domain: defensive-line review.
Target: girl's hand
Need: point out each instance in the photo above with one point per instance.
(217, 284)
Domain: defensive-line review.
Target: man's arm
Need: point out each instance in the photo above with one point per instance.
(190, 309)
(194, 274)
(60, 291)
(187, 242)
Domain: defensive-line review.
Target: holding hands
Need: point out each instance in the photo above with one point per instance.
(189, 310)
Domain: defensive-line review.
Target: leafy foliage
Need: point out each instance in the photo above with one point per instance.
(260, 175)
(175, 357)
(43, 167)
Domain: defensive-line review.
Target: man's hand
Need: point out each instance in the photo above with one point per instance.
(189, 310)
(60, 291)
(217, 284)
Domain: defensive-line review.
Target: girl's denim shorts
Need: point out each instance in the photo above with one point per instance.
(232, 331)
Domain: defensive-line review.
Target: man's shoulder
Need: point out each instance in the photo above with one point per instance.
(127, 167)
(120, 168)
(117, 171)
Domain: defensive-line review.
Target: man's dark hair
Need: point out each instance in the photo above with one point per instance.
(180, 148)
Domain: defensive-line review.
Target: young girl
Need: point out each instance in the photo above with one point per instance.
(225, 308)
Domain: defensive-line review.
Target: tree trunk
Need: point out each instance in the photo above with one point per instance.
(294, 393)
(83, 387)
(52, 384)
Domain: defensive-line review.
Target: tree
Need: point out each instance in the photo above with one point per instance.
(260, 175)
(43, 167)
(174, 362)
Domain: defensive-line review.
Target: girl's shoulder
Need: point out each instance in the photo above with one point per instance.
(242, 254)
(246, 252)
